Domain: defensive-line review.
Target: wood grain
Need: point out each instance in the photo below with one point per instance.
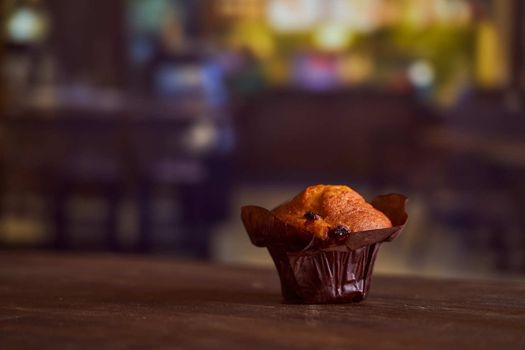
(106, 302)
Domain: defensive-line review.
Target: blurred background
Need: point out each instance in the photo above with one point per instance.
(142, 126)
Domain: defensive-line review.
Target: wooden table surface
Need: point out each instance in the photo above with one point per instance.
(106, 302)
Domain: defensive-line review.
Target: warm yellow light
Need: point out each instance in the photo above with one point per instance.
(355, 68)
(254, 36)
(333, 36)
(489, 68)
(293, 16)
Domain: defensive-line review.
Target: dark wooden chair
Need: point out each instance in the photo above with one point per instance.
(93, 165)
(62, 157)
(31, 155)
(470, 184)
(199, 180)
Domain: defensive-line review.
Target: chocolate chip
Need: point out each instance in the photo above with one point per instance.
(339, 231)
(310, 215)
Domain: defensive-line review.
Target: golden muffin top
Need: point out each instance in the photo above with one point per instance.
(331, 211)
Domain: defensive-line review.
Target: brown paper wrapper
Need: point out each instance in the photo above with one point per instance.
(314, 271)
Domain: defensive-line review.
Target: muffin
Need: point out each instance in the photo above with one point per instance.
(325, 240)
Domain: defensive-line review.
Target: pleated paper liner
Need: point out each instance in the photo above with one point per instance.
(313, 271)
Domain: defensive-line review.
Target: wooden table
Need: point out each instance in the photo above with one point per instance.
(106, 302)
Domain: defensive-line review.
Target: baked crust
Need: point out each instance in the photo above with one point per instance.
(321, 209)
